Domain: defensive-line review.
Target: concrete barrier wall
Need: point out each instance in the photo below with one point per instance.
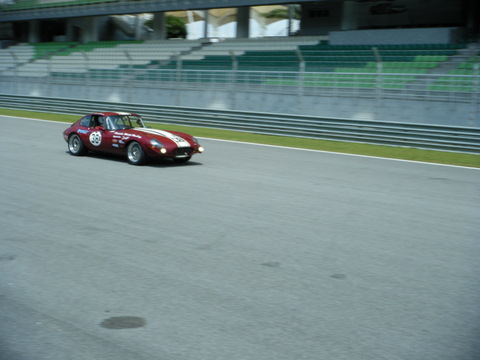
(420, 111)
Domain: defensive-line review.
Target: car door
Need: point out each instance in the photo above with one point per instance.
(85, 129)
(91, 131)
(105, 137)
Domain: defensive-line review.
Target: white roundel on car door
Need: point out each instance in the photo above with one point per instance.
(96, 138)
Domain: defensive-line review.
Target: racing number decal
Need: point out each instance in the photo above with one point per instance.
(96, 138)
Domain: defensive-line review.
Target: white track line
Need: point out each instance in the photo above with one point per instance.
(286, 147)
(345, 154)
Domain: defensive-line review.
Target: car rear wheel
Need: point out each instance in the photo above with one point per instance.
(76, 146)
(135, 154)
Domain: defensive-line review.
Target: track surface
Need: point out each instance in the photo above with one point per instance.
(249, 252)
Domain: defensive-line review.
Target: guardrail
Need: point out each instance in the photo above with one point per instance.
(436, 137)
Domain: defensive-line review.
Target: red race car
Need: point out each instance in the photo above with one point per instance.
(125, 133)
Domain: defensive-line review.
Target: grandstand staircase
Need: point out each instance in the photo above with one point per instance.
(453, 62)
(173, 58)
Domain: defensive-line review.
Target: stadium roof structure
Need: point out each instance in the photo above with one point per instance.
(224, 16)
(16, 10)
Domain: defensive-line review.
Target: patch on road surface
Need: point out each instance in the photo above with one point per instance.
(123, 322)
(7, 257)
(272, 264)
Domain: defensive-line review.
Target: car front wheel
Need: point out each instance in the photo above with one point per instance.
(76, 146)
(135, 154)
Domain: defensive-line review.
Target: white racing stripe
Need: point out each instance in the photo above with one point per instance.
(175, 138)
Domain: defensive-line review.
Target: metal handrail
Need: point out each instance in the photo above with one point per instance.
(437, 137)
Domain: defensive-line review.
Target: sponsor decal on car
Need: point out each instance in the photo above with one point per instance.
(125, 136)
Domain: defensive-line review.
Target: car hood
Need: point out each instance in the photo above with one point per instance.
(166, 137)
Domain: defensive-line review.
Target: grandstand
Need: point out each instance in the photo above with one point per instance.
(322, 62)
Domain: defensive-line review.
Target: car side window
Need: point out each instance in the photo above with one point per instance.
(97, 120)
(110, 122)
(86, 121)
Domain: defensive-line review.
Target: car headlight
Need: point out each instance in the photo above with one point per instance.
(157, 145)
(200, 149)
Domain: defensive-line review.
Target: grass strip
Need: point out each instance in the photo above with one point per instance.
(393, 152)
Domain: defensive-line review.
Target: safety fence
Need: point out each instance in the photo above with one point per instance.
(446, 138)
(401, 85)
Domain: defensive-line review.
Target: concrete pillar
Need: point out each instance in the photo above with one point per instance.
(472, 17)
(350, 16)
(159, 26)
(75, 28)
(70, 30)
(205, 24)
(34, 31)
(138, 27)
(243, 22)
(291, 15)
(90, 29)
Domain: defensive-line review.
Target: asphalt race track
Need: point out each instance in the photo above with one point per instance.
(247, 253)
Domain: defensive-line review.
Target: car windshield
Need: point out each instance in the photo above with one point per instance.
(117, 122)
